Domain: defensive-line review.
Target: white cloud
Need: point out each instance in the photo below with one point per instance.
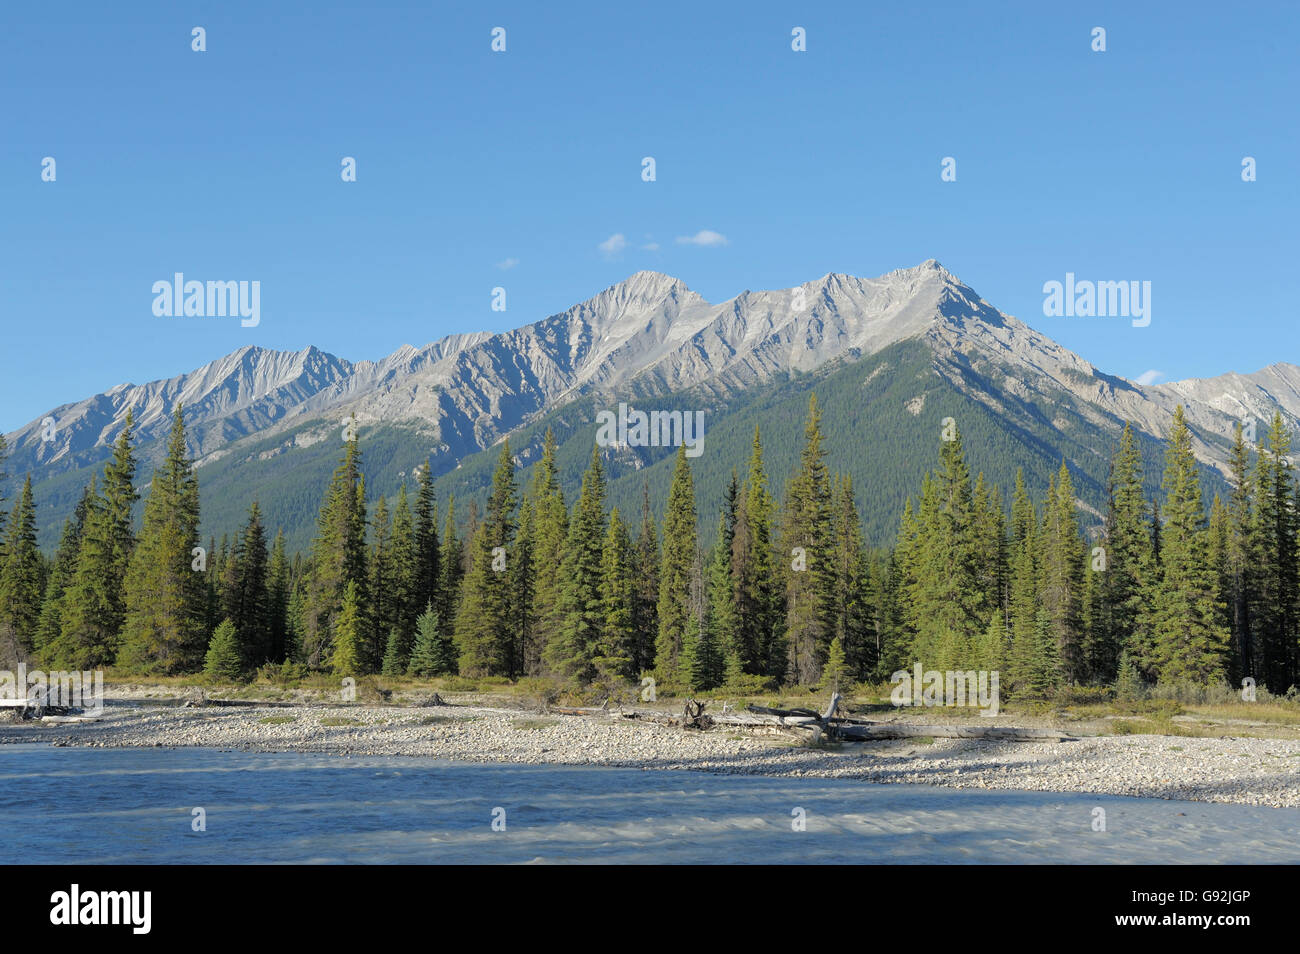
(1150, 377)
(706, 237)
(613, 245)
(650, 247)
(508, 264)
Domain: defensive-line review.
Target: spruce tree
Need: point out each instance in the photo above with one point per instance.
(278, 586)
(675, 572)
(485, 626)
(835, 674)
(381, 608)
(349, 643)
(1274, 613)
(1188, 642)
(64, 567)
(719, 656)
(521, 584)
(853, 611)
(432, 654)
(645, 589)
(246, 599)
(947, 606)
(1061, 577)
(760, 593)
(338, 554)
(4, 454)
(403, 567)
(450, 563)
(164, 630)
(394, 663)
(92, 610)
(1128, 560)
(426, 578)
(119, 502)
(1021, 656)
(551, 520)
(21, 583)
(808, 545)
(224, 659)
(1240, 558)
(579, 641)
(616, 650)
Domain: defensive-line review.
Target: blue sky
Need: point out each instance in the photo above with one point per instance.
(225, 165)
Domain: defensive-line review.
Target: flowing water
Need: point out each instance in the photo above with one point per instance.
(89, 805)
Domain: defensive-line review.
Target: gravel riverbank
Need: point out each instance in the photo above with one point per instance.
(1237, 770)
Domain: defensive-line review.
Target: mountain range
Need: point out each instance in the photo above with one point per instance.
(889, 357)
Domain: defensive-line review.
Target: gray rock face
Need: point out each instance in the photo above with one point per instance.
(650, 334)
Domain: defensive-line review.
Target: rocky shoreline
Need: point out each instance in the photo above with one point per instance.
(1264, 772)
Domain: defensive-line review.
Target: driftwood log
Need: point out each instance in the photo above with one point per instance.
(809, 723)
(860, 730)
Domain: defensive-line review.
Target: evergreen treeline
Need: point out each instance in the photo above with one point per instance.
(786, 594)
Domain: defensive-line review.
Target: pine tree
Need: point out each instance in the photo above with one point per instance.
(165, 597)
(675, 572)
(224, 658)
(21, 582)
(1188, 641)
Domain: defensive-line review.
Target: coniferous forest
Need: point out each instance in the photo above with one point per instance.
(1165, 591)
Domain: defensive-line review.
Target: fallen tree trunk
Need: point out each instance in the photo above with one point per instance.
(899, 730)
